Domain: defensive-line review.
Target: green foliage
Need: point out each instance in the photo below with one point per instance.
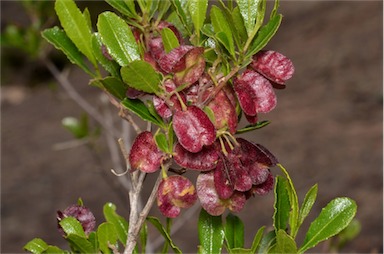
(231, 33)
(211, 232)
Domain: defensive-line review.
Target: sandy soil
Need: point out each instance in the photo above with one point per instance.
(326, 129)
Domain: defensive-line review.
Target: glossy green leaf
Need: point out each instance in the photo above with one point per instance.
(264, 35)
(72, 226)
(174, 18)
(162, 142)
(198, 10)
(125, 7)
(169, 38)
(248, 10)
(333, 218)
(308, 202)
(87, 17)
(92, 238)
(121, 225)
(80, 244)
(257, 239)
(156, 222)
(211, 232)
(140, 75)
(36, 246)
(118, 38)
(76, 27)
(112, 85)
(226, 41)
(252, 127)
(139, 108)
(222, 28)
(234, 231)
(54, 249)
(294, 202)
(281, 205)
(182, 15)
(284, 243)
(267, 242)
(238, 24)
(109, 65)
(106, 234)
(163, 8)
(59, 39)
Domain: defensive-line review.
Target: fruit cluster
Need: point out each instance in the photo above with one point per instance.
(203, 108)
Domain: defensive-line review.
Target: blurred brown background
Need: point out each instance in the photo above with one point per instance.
(326, 129)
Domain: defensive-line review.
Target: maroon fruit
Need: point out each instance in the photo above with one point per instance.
(210, 200)
(254, 92)
(175, 192)
(174, 61)
(82, 214)
(194, 66)
(193, 129)
(204, 160)
(145, 155)
(224, 111)
(273, 65)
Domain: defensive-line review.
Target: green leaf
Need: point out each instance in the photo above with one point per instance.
(182, 15)
(162, 142)
(106, 234)
(92, 238)
(118, 38)
(72, 226)
(257, 239)
(140, 75)
(248, 10)
(156, 222)
(139, 108)
(112, 85)
(240, 251)
(59, 39)
(284, 243)
(125, 7)
(294, 202)
(143, 237)
(333, 218)
(80, 244)
(267, 241)
(76, 27)
(211, 232)
(78, 128)
(163, 8)
(36, 246)
(54, 249)
(238, 24)
(282, 204)
(197, 10)
(308, 202)
(109, 65)
(174, 18)
(121, 225)
(252, 127)
(169, 38)
(264, 35)
(222, 29)
(234, 231)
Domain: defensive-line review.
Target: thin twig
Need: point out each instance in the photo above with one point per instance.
(64, 82)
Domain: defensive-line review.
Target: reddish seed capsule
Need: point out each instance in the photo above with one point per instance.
(273, 65)
(82, 214)
(145, 155)
(193, 129)
(204, 160)
(175, 192)
(254, 92)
